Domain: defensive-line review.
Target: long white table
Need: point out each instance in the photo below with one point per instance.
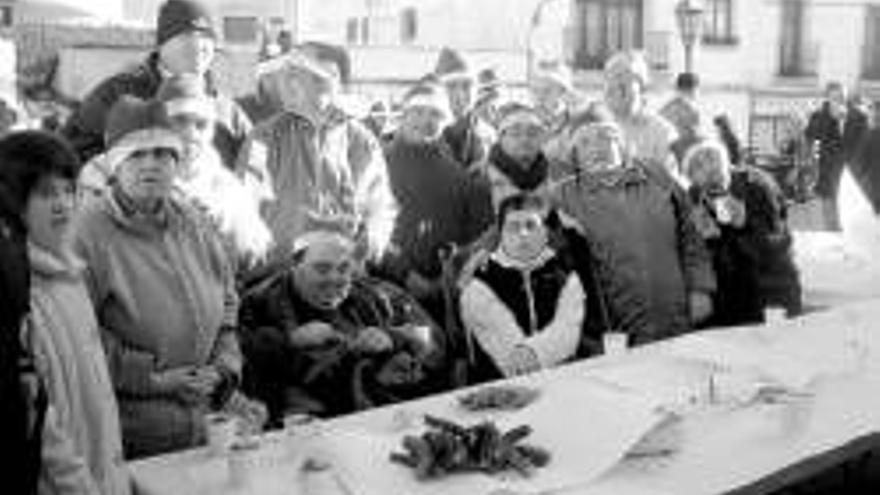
(732, 448)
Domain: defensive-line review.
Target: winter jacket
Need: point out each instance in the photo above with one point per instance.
(164, 296)
(837, 144)
(440, 204)
(539, 305)
(22, 409)
(469, 140)
(505, 177)
(304, 174)
(86, 126)
(649, 255)
(71, 361)
(335, 380)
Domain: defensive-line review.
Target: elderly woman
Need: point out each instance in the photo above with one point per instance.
(82, 444)
(741, 215)
(162, 289)
(654, 269)
(525, 304)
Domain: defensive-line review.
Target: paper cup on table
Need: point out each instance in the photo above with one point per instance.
(614, 343)
(221, 430)
(300, 431)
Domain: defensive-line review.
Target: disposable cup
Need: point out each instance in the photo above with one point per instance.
(221, 430)
(614, 343)
(243, 461)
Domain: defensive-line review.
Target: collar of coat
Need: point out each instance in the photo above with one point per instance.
(48, 264)
(506, 261)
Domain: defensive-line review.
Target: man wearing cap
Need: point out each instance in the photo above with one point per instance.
(551, 92)
(185, 43)
(516, 162)
(468, 137)
(313, 160)
(321, 339)
(439, 202)
(647, 136)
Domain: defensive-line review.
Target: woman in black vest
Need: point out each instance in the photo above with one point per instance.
(525, 304)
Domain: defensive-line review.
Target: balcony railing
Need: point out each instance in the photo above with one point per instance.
(799, 59)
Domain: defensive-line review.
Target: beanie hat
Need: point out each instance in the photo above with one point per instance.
(451, 65)
(185, 94)
(326, 52)
(182, 16)
(557, 73)
(307, 59)
(628, 64)
(516, 112)
(427, 95)
(488, 85)
(134, 124)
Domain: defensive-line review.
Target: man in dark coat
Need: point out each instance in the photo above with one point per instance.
(836, 130)
(440, 203)
(322, 339)
(185, 43)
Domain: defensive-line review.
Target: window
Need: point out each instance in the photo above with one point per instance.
(240, 29)
(796, 59)
(604, 27)
(352, 30)
(718, 22)
(5, 15)
(365, 30)
(871, 52)
(409, 25)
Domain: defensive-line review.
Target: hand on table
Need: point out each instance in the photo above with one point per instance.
(523, 360)
(313, 334)
(372, 340)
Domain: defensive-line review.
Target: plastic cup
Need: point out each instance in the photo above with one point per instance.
(614, 343)
(722, 211)
(221, 430)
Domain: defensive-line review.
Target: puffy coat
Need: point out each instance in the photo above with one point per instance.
(649, 255)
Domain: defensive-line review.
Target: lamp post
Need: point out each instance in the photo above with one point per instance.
(530, 35)
(689, 14)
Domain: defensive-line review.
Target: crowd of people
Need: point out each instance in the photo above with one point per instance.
(167, 254)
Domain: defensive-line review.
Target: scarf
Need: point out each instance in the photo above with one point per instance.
(526, 179)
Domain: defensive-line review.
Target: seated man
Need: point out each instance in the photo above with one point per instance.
(320, 339)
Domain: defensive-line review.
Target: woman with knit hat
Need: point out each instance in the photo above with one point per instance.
(185, 43)
(201, 176)
(163, 291)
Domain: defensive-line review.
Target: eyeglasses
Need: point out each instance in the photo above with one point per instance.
(156, 153)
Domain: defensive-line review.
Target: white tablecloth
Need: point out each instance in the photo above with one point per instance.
(831, 355)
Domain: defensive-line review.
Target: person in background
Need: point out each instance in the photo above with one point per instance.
(82, 442)
(835, 131)
(467, 136)
(728, 137)
(653, 268)
(865, 165)
(647, 136)
(323, 339)
(686, 118)
(686, 87)
(378, 121)
(163, 291)
(440, 203)
(312, 160)
(741, 214)
(525, 305)
(185, 43)
(201, 176)
(23, 399)
(488, 96)
(516, 162)
(551, 92)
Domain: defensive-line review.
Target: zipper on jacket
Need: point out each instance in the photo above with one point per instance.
(530, 301)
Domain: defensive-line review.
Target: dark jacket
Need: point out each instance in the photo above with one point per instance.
(20, 414)
(332, 381)
(85, 128)
(440, 203)
(649, 256)
(836, 146)
(469, 139)
(865, 167)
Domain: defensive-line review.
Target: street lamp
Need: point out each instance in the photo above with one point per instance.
(689, 14)
(534, 22)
